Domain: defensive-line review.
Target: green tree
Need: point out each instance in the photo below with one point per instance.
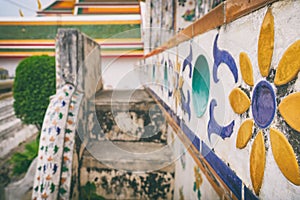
(34, 84)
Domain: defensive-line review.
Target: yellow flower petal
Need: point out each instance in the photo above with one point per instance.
(257, 162)
(289, 65)
(266, 44)
(246, 69)
(239, 101)
(244, 133)
(284, 156)
(180, 82)
(289, 109)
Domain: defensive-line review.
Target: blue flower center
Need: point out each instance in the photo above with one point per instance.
(263, 104)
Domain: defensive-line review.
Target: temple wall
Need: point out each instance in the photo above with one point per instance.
(232, 93)
(118, 71)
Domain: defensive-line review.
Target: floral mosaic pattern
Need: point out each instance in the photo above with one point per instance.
(167, 22)
(220, 56)
(188, 62)
(178, 83)
(268, 102)
(54, 144)
(223, 56)
(69, 142)
(181, 99)
(214, 127)
(186, 11)
(181, 2)
(189, 15)
(185, 100)
(156, 21)
(198, 181)
(264, 105)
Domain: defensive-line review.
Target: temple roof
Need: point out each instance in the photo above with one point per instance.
(91, 7)
(109, 1)
(114, 24)
(62, 7)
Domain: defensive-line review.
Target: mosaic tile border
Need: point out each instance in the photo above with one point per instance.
(220, 170)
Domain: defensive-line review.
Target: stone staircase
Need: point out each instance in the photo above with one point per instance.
(12, 131)
(132, 161)
(120, 150)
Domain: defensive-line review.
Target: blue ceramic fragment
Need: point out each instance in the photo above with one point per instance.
(170, 93)
(170, 64)
(55, 167)
(58, 130)
(188, 62)
(186, 103)
(263, 104)
(153, 72)
(214, 127)
(166, 85)
(222, 56)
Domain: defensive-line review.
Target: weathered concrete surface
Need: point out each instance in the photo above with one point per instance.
(133, 156)
(6, 84)
(128, 157)
(78, 62)
(18, 189)
(119, 184)
(121, 97)
(12, 131)
(127, 115)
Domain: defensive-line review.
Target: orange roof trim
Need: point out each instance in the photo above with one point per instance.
(63, 5)
(129, 10)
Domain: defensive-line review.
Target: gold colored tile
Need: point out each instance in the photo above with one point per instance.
(289, 65)
(244, 133)
(284, 156)
(266, 44)
(239, 101)
(289, 108)
(246, 69)
(257, 162)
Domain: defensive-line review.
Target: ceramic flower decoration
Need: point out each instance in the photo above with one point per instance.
(264, 105)
(198, 182)
(178, 83)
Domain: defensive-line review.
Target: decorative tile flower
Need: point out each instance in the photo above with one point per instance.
(181, 2)
(178, 94)
(221, 56)
(189, 15)
(57, 139)
(178, 83)
(263, 106)
(198, 182)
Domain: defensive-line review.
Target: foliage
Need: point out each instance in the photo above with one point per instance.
(22, 160)
(88, 192)
(34, 84)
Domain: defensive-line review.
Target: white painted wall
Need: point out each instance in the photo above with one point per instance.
(10, 64)
(120, 73)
